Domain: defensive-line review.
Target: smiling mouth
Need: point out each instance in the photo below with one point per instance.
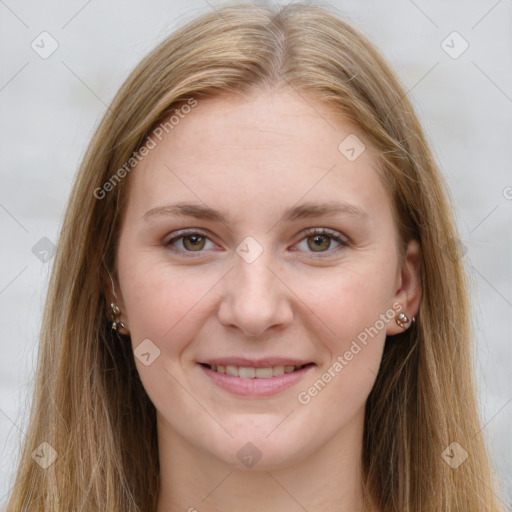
(248, 372)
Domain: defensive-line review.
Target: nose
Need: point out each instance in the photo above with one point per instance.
(255, 298)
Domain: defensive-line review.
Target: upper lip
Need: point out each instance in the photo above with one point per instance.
(255, 363)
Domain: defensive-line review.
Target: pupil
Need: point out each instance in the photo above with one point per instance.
(321, 241)
(194, 241)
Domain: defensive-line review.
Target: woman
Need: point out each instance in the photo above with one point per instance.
(257, 302)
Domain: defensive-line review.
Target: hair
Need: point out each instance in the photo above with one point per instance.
(89, 403)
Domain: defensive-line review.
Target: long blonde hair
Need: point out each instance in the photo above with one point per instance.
(89, 404)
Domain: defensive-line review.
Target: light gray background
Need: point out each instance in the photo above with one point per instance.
(50, 107)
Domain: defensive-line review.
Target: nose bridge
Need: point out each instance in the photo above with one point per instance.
(254, 298)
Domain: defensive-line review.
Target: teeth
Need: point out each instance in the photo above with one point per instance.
(232, 370)
(263, 373)
(277, 370)
(247, 372)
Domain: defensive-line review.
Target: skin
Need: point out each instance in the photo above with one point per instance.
(253, 159)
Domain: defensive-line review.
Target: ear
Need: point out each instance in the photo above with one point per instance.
(113, 295)
(408, 291)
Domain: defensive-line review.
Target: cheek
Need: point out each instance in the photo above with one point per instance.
(167, 307)
(163, 303)
(354, 308)
(350, 300)
(155, 300)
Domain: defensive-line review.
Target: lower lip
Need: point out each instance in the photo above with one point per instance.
(256, 387)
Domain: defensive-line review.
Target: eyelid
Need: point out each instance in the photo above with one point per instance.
(326, 231)
(185, 232)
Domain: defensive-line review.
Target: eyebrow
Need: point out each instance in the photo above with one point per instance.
(303, 211)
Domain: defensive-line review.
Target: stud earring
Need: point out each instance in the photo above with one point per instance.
(403, 320)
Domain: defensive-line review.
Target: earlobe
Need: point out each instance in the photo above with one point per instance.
(408, 293)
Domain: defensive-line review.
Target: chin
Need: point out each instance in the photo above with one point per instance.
(246, 452)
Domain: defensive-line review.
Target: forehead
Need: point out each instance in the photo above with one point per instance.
(251, 154)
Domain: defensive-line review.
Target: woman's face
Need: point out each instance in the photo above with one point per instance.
(262, 280)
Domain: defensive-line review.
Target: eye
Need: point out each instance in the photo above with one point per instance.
(190, 241)
(319, 240)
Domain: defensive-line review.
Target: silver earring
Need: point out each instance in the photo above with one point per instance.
(403, 320)
(116, 322)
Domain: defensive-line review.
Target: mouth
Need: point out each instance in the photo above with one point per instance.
(251, 372)
(252, 381)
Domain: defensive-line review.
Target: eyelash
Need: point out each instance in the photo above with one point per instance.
(334, 235)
